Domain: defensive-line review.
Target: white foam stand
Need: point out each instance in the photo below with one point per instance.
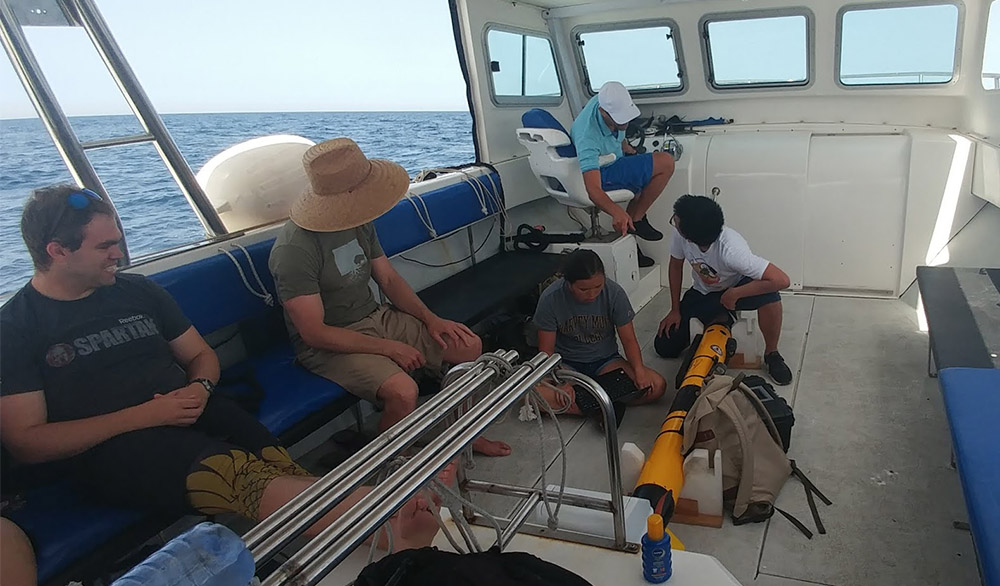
(621, 264)
(749, 341)
(700, 502)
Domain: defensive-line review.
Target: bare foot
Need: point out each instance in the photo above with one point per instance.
(448, 474)
(490, 448)
(414, 526)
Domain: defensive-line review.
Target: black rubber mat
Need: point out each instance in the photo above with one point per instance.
(955, 337)
(470, 295)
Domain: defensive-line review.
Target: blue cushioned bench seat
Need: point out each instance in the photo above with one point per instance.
(77, 540)
(213, 295)
(972, 400)
(64, 528)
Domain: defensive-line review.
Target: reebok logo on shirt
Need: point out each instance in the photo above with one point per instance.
(135, 327)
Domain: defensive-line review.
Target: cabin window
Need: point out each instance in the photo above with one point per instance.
(644, 59)
(991, 57)
(522, 68)
(899, 45)
(757, 51)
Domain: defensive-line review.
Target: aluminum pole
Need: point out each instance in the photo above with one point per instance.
(53, 118)
(90, 19)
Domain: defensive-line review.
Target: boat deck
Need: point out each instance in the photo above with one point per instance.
(870, 431)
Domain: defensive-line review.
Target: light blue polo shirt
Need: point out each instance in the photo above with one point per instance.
(592, 137)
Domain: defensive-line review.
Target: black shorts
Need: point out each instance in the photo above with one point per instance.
(148, 468)
(708, 309)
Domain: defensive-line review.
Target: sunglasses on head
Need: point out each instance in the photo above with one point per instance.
(78, 200)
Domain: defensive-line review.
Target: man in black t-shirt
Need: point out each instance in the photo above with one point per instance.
(102, 372)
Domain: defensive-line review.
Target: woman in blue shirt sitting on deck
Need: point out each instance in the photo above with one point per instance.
(578, 316)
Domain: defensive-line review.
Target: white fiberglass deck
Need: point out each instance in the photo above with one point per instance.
(870, 431)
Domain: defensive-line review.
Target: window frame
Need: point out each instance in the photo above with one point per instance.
(956, 57)
(993, 5)
(675, 35)
(706, 48)
(502, 101)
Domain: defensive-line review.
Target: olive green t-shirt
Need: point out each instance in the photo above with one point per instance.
(336, 265)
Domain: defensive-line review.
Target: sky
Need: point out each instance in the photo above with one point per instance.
(330, 55)
(255, 56)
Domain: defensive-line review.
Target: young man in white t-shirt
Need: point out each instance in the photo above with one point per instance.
(727, 276)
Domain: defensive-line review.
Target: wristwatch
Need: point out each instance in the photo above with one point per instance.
(208, 384)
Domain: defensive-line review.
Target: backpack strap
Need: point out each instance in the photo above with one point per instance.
(798, 524)
(810, 489)
(745, 488)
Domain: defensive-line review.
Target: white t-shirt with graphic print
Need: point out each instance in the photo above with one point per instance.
(728, 260)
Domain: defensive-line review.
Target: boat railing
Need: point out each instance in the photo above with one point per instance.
(500, 385)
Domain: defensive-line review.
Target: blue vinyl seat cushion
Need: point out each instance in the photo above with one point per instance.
(539, 118)
(291, 393)
(64, 527)
(972, 401)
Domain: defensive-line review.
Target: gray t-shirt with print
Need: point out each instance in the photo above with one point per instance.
(336, 265)
(585, 332)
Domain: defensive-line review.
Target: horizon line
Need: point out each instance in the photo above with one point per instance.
(36, 117)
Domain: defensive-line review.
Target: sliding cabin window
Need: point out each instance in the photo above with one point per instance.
(991, 56)
(644, 58)
(757, 50)
(522, 68)
(898, 45)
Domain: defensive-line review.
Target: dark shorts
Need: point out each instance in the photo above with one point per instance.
(148, 468)
(592, 369)
(707, 308)
(633, 172)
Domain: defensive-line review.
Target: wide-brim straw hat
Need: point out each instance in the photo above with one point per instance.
(346, 188)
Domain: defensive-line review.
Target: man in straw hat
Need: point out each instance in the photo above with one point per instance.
(322, 263)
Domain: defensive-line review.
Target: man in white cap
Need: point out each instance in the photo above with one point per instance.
(600, 130)
(323, 261)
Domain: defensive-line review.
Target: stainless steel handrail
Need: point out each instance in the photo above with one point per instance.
(611, 443)
(292, 519)
(22, 58)
(90, 19)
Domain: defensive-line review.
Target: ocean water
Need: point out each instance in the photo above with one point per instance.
(154, 213)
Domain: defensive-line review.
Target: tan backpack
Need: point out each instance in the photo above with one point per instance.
(729, 416)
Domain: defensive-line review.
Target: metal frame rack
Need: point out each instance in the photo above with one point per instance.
(500, 386)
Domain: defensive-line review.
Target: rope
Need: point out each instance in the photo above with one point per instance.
(444, 528)
(266, 295)
(454, 501)
(553, 515)
(387, 526)
(484, 195)
(501, 365)
(426, 221)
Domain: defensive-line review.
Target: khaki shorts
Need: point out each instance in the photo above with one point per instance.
(362, 375)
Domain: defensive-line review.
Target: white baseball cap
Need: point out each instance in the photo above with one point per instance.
(616, 101)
